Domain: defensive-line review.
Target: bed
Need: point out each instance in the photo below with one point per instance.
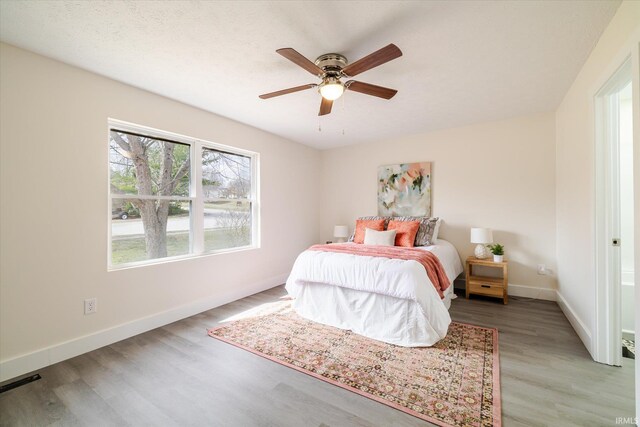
(390, 300)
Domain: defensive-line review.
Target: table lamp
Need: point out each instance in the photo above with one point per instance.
(341, 232)
(481, 236)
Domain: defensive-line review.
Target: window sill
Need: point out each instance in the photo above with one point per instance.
(167, 260)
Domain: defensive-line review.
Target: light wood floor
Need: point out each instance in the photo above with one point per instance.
(178, 376)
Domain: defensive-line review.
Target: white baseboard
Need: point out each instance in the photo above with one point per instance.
(532, 292)
(578, 325)
(29, 362)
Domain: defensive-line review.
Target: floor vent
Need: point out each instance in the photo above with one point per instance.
(20, 382)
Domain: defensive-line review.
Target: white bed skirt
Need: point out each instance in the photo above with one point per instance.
(388, 300)
(381, 317)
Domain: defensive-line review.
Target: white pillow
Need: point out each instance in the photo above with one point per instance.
(381, 238)
(436, 229)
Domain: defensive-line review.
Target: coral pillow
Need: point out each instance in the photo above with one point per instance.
(405, 232)
(362, 224)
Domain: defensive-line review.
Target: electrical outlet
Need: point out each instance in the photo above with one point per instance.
(90, 305)
(542, 269)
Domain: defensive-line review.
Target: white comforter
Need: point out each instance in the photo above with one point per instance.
(406, 280)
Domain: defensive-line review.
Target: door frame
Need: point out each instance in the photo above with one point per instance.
(608, 333)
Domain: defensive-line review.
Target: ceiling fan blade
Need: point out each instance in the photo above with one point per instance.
(286, 91)
(369, 89)
(295, 57)
(325, 107)
(378, 57)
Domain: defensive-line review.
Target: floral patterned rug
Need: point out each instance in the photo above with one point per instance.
(454, 383)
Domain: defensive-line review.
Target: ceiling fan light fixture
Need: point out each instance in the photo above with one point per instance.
(331, 88)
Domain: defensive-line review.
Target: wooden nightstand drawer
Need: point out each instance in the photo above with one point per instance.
(484, 285)
(485, 288)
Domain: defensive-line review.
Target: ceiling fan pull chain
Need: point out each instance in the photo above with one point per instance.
(343, 110)
(319, 127)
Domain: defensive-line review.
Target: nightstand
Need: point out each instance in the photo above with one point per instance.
(488, 286)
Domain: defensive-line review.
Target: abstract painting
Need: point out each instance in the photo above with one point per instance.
(404, 189)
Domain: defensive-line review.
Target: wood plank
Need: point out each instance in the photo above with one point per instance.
(177, 375)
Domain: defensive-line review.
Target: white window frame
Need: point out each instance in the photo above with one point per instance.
(196, 194)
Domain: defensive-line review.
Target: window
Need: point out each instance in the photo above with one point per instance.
(163, 204)
(226, 189)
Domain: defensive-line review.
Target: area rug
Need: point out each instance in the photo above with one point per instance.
(454, 383)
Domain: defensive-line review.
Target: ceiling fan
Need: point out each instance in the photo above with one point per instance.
(331, 67)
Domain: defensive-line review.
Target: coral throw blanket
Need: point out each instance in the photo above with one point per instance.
(428, 260)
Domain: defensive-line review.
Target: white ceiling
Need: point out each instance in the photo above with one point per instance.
(464, 62)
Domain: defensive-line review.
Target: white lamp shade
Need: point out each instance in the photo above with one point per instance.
(341, 231)
(481, 235)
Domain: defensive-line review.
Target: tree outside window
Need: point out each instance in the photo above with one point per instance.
(153, 203)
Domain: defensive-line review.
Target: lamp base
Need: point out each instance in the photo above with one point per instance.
(481, 251)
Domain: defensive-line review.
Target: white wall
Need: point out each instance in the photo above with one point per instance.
(575, 194)
(499, 175)
(53, 144)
